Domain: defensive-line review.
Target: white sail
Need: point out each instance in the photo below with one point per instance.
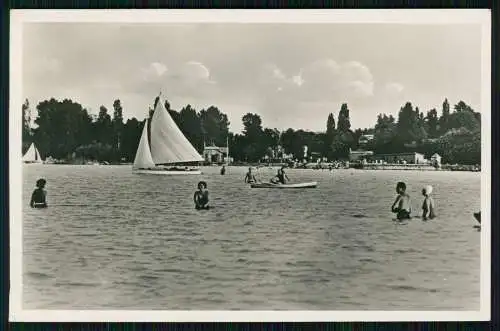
(32, 155)
(37, 155)
(143, 157)
(168, 143)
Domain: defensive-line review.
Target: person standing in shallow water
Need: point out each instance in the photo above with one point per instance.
(250, 178)
(201, 196)
(223, 170)
(428, 205)
(402, 205)
(39, 195)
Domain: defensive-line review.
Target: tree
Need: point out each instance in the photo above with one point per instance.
(270, 139)
(329, 136)
(409, 126)
(104, 127)
(190, 124)
(432, 123)
(343, 123)
(253, 133)
(62, 127)
(342, 143)
(132, 131)
(117, 125)
(462, 106)
(26, 131)
(330, 125)
(385, 132)
(445, 116)
(343, 138)
(464, 119)
(460, 146)
(214, 125)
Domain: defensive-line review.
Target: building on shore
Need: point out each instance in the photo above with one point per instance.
(215, 154)
(436, 160)
(359, 155)
(365, 139)
(399, 158)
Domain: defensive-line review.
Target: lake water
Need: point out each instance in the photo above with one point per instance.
(113, 239)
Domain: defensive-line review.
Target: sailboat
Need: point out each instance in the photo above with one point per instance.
(32, 155)
(168, 147)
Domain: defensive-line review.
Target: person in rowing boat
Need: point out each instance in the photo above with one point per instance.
(39, 196)
(201, 196)
(250, 177)
(281, 177)
(402, 205)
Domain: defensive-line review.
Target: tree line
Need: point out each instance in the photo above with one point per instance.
(66, 130)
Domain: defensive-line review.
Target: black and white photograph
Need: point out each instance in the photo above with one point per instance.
(218, 165)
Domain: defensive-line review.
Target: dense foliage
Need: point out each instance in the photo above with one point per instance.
(65, 130)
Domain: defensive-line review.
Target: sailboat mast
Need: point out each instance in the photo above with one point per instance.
(227, 147)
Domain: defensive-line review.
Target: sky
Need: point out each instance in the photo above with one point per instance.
(292, 75)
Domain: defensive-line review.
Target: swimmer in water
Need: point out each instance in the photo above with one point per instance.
(402, 205)
(250, 178)
(201, 196)
(428, 205)
(39, 196)
(223, 170)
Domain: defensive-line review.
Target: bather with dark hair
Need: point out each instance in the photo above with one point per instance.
(201, 196)
(39, 196)
(402, 205)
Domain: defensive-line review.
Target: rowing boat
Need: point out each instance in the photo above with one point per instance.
(284, 186)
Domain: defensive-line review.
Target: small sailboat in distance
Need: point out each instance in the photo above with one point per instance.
(169, 147)
(32, 156)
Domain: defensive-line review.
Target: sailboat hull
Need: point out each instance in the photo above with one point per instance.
(166, 172)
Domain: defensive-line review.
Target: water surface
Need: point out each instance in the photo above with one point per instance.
(115, 240)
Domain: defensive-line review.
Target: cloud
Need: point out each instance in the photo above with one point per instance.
(278, 71)
(154, 71)
(320, 82)
(394, 88)
(194, 72)
(190, 78)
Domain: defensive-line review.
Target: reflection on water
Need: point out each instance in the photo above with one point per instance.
(112, 239)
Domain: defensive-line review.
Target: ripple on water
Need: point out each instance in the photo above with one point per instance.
(114, 239)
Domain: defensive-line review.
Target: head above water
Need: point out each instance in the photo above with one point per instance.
(400, 187)
(202, 185)
(41, 183)
(427, 190)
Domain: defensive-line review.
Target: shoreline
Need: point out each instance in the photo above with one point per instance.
(372, 167)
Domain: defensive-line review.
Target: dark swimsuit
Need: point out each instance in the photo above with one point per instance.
(251, 178)
(201, 200)
(38, 199)
(281, 177)
(403, 215)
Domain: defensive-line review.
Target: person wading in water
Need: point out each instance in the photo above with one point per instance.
(402, 205)
(250, 177)
(39, 196)
(201, 196)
